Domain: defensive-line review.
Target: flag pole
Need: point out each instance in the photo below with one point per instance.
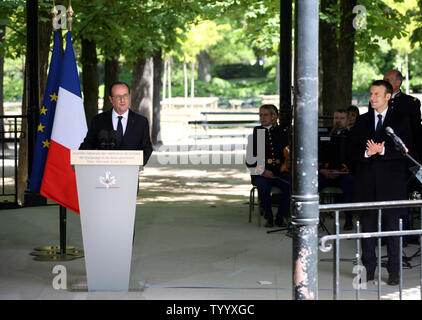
(61, 252)
(63, 217)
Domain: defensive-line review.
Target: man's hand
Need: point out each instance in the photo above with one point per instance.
(374, 148)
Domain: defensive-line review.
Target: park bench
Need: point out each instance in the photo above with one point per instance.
(220, 121)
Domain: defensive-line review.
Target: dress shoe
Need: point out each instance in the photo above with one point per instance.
(279, 222)
(393, 279)
(269, 224)
(370, 279)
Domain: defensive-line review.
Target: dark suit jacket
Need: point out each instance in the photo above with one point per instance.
(275, 141)
(136, 136)
(410, 108)
(379, 178)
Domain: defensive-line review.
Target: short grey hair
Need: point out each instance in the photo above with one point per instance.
(271, 108)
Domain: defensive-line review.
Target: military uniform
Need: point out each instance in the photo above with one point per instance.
(276, 140)
(411, 107)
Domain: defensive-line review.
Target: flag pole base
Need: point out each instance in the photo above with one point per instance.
(53, 253)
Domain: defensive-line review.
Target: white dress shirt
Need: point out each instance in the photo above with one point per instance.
(383, 114)
(115, 119)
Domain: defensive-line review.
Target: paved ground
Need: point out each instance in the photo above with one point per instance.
(192, 240)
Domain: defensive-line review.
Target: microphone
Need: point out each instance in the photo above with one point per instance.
(113, 139)
(397, 141)
(103, 138)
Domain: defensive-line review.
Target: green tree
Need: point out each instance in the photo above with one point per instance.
(355, 38)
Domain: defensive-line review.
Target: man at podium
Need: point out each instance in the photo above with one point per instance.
(119, 128)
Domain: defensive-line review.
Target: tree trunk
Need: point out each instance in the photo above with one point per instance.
(185, 77)
(346, 55)
(165, 77)
(156, 100)
(204, 66)
(142, 88)
(277, 75)
(23, 142)
(111, 75)
(192, 78)
(45, 31)
(169, 78)
(2, 33)
(328, 49)
(90, 79)
(406, 63)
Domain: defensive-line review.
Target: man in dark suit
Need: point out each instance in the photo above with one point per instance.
(410, 107)
(335, 172)
(406, 106)
(266, 177)
(380, 173)
(132, 128)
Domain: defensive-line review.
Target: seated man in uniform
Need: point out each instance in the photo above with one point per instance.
(334, 169)
(275, 171)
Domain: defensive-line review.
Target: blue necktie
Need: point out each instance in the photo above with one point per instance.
(119, 131)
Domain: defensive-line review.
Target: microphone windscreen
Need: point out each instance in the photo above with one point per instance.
(103, 135)
(113, 135)
(389, 130)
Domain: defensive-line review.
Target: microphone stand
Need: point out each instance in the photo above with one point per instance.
(418, 174)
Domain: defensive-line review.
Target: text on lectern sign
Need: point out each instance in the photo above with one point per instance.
(106, 157)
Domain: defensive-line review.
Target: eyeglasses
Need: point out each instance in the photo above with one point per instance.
(122, 97)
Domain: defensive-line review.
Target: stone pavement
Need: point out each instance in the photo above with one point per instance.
(193, 240)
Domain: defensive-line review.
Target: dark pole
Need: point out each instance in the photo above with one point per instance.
(305, 215)
(32, 63)
(285, 63)
(63, 230)
(32, 106)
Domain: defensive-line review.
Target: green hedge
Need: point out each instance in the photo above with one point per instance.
(238, 70)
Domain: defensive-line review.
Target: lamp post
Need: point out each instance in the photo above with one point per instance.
(305, 200)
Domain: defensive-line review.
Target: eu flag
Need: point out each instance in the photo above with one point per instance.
(46, 116)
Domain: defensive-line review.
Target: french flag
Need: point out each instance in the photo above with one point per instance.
(69, 130)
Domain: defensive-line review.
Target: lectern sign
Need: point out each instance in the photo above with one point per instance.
(106, 157)
(107, 188)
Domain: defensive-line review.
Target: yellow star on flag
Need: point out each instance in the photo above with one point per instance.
(43, 111)
(41, 127)
(53, 97)
(46, 144)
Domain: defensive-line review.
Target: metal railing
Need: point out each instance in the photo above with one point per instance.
(10, 134)
(380, 205)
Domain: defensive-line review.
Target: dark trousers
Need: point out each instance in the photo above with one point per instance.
(264, 186)
(369, 222)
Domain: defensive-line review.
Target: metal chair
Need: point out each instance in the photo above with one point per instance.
(275, 195)
(328, 195)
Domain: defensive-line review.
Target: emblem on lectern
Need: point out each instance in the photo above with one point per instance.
(108, 180)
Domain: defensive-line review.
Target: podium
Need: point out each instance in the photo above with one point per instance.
(107, 182)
